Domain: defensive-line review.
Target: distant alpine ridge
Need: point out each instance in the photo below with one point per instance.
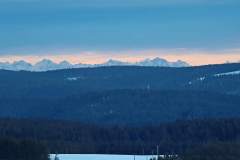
(46, 64)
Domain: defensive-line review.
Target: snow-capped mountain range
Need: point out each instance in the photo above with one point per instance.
(46, 64)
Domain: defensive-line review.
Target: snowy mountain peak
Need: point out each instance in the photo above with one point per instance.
(20, 62)
(46, 64)
(180, 63)
(160, 62)
(19, 65)
(157, 59)
(112, 62)
(65, 63)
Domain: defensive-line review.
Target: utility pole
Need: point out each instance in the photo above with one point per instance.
(56, 157)
(157, 151)
(152, 154)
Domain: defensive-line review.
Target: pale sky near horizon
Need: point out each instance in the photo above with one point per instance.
(92, 31)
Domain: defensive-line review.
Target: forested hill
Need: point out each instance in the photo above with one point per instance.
(70, 81)
(135, 107)
(123, 95)
(72, 137)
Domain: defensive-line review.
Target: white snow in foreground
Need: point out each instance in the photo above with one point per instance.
(227, 73)
(100, 157)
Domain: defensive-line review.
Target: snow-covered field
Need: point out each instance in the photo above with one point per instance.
(99, 157)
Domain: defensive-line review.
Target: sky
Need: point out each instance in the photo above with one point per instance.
(92, 31)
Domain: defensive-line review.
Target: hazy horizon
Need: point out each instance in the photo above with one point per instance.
(195, 59)
(196, 31)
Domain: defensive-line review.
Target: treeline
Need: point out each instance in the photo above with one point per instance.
(209, 151)
(127, 107)
(172, 138)
(15, 149)
(213, 151)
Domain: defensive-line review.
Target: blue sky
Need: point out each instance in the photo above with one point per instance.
(52, 26)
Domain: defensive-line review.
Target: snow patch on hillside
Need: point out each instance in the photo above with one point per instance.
(75, 78)
(227, 73)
